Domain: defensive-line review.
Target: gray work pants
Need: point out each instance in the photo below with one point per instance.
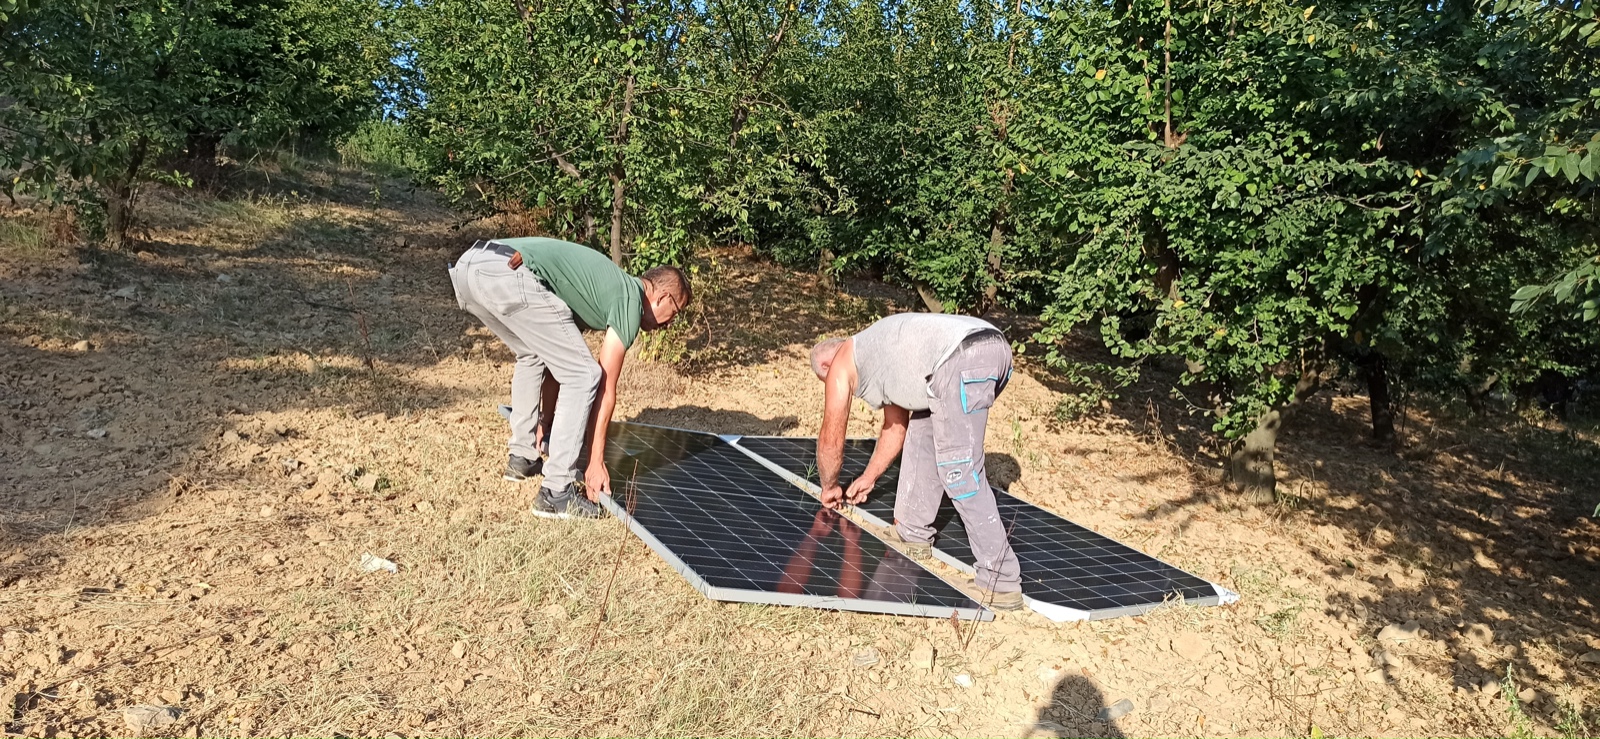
(943, 457)
(540, 330)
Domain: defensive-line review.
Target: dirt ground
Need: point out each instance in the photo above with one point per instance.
(200, 438)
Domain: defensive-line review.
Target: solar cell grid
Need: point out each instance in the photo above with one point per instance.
(737, 531)
(1068, 570)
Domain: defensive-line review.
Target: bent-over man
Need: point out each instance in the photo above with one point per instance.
(537, 295)
(935, 377)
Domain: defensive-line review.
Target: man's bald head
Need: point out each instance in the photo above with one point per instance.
(822, 356)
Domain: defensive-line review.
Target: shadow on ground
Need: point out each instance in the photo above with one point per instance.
(1078, 709)
(699, 418)
(126, 375)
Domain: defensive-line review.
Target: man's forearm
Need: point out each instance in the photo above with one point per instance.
(830, 438)
(891, 439)
(611, 356)
(890, 442)
(830, 459)
(600, 420)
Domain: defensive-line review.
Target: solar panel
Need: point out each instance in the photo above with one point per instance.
(737, 531)
(1068, 571)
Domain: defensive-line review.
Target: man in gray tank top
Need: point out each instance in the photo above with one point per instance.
(935, 377)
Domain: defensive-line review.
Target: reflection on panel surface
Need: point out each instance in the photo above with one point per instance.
(747, 535)
(1063, 564)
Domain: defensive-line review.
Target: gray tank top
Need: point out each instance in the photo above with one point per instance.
(896, 357)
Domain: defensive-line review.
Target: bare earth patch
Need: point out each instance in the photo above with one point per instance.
(199, 439)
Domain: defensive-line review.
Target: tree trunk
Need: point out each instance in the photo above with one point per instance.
(997, 216)
(1482, 389)
(200, 150)
(122, 192)
(997, 244)
(1253, 474)
(619, 182)
(619, 189)
(1376, 368)
(741, 108)
(1168, 268)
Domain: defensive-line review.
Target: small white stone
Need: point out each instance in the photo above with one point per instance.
(1116, 710)
(142, 719)
(373, 563)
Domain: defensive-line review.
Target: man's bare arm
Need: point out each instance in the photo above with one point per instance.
(837, 391)
(891, 439)
(597, 480)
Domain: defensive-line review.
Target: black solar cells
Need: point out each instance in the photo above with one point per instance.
(738, 531)
(1064, 565)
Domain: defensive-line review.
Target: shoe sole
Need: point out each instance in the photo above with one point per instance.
(508, 477)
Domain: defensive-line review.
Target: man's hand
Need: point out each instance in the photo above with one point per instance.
(857, 494)
(831, 496)
(596, 480)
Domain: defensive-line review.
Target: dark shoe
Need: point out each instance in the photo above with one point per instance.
(521, 468)
(1011, 601)
(569, 503)
(920, 551)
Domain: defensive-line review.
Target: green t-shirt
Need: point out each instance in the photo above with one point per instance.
(600, 294)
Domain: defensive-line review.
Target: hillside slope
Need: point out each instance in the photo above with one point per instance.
(201, 437)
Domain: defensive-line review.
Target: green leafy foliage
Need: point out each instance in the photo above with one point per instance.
(640, 124)
(99, 93)
(1267, 190)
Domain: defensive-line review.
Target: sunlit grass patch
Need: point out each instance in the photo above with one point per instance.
(25, 236)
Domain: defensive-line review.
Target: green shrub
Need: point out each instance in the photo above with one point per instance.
(382, 145)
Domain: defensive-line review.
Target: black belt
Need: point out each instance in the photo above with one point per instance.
(501, 249)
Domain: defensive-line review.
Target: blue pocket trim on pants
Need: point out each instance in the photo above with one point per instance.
(964, 497)
(965, 382)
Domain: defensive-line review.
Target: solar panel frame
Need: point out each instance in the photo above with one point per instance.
(950, 546)
(703, 572)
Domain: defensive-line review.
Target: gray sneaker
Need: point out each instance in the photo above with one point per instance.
(569, 503)
(519, 469)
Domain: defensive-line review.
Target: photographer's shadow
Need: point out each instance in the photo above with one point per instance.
(1077, 709)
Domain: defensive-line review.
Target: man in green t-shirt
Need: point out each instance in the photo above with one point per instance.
(537, 295)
